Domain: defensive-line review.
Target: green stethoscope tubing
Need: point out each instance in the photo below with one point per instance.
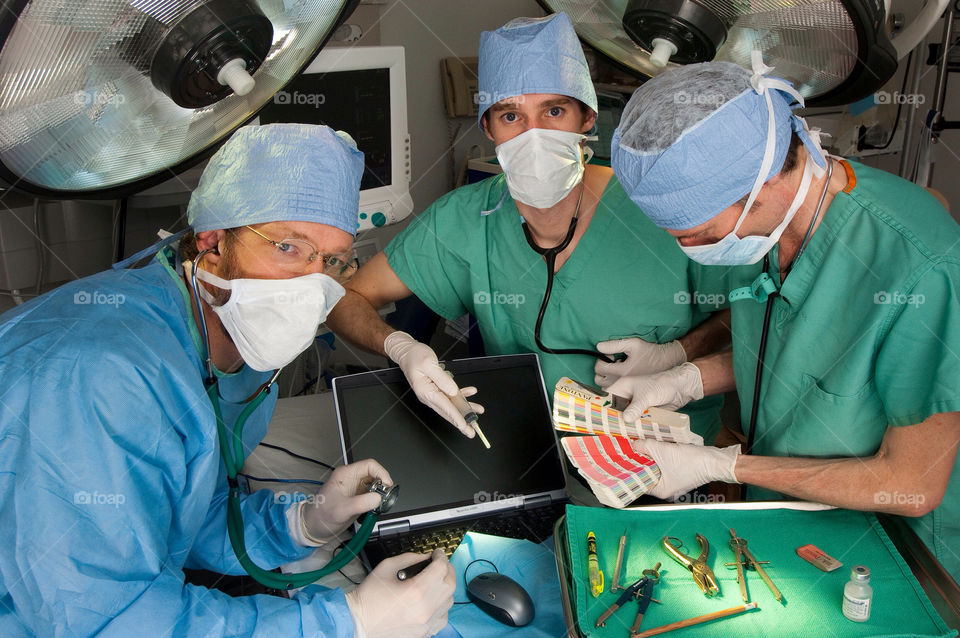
(231, 459)
(231, 451)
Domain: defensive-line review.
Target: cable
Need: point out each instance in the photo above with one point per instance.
(896, 122)
(297, 456)
(475, 560)
(38, 242)
(347, 577)
(279, 480)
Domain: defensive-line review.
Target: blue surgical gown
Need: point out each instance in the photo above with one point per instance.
(111, 475)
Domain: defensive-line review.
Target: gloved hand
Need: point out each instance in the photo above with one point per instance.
(643, 357)
(384, 607)
(429, 381)
(684, 466)
(341, 500)
(670, 390)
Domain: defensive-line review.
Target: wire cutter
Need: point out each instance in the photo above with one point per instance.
(740, 551)
(652, 577)
(641, 590)
(702, 574)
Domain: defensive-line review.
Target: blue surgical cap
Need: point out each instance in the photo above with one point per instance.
(691, 141)
(280, 172)
(533, 55)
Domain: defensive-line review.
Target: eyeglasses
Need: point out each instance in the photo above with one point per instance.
(298, 254)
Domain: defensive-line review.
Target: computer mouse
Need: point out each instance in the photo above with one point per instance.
(502, 598)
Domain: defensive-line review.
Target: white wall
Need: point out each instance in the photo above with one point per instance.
(430, 30)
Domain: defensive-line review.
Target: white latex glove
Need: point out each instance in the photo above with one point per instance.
(384, 607)
(341, 500)
(669, 390)
(643, 357)
(684, 466)
(429, 381)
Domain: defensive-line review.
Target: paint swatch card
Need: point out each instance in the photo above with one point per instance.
(580, 410)
(617, 474)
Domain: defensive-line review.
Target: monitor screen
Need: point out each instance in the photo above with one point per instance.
(434, 464)
(355, 101)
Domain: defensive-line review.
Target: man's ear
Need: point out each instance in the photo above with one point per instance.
(211, 240)
(486, 125)
(589, 119)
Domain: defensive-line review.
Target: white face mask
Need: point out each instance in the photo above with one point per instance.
(542, 165)
(271, 321)
(736, 251)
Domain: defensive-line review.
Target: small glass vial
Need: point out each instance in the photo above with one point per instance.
(858, 594)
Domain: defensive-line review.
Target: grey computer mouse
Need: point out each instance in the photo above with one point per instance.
(502, 598)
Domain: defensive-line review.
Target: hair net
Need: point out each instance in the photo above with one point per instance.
(280, 172)
(691, 140)
(533, 55)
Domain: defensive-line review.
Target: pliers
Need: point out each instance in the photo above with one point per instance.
(652, 577)
(642, 590)
(702, 574)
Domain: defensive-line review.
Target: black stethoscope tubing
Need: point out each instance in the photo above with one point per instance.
(761, 351)
(550, 256)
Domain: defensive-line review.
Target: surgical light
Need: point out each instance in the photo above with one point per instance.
(834, 51)
(102, 98)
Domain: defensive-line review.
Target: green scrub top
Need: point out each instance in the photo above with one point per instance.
(865, 333)
(626, 277)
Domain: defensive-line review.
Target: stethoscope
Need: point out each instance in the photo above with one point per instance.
(231, 450)
(772, 294)
(550, 256)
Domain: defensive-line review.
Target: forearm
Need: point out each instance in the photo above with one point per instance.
(716, 373)
(709, 337)
(908, 475)
(851, 483)
(356, 320)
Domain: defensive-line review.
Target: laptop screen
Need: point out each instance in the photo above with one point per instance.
(436, 466)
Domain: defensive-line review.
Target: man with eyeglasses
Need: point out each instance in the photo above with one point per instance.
(110, 466)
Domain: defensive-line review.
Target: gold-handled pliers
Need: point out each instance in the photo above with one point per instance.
(702, 574)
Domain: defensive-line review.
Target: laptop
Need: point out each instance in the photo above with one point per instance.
(450, 484)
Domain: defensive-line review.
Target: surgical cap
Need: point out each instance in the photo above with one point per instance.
(280, 172)
(691, 141)
(533, 55)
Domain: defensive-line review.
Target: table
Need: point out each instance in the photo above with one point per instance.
(307, 426)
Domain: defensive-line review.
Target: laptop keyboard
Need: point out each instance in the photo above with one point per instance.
(534, 525)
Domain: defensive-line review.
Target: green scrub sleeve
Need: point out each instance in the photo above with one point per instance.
(429, 259)
(925, 331)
